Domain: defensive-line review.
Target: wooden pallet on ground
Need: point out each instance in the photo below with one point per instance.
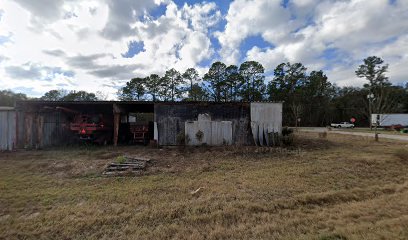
(131, 165)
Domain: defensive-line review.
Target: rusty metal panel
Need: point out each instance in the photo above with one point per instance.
(266, 119)
(7, 130)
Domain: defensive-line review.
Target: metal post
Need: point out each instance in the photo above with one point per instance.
(370, 113)
(377, 122)
(370, 97)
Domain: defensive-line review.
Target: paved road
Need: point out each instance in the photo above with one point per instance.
(345, 132)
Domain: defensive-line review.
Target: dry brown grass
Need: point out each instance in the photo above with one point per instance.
(338, 187)
(402, 154)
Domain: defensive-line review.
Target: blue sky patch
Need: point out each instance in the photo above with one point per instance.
(253, 41)
(134, 48)
(222, 5)
(158, 11)
(330, 54)
(4, 39)
(206, 62)
(285, 3)
(28, 91)
(52, 73)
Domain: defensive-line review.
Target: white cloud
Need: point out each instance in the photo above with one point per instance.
(43, 39)
(352, 29)
(249, 18)
(88, 38)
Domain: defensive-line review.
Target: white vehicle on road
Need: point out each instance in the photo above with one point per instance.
(342, 125)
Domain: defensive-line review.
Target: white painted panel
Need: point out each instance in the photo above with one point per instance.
(205, 128)
(213, 133)
(254, 128)
(204, 117)
(266, 118)
(155, 132)
(226, 132)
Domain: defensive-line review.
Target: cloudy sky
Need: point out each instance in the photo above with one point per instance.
(98, 45)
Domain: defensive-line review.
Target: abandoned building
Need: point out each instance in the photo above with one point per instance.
(38, 124)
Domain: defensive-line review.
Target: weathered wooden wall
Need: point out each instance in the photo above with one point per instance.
(42, 129)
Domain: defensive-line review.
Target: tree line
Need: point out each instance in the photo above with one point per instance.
(221, 83)
(310, 99)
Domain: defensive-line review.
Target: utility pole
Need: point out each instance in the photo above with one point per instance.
(377, 122)
(370, 98)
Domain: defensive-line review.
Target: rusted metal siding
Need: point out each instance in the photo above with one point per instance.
(171, 119)
(266, 121)
(7, 130)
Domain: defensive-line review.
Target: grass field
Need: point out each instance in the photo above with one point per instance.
(339, 187)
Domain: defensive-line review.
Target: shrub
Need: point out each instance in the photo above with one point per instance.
(323, 134)
(287, 131)
(120, 159)
(181, 138)
(287, 136)
(199, 135)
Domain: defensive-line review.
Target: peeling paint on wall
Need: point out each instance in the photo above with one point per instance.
(266, 122)
(171, 119)
(207, 132)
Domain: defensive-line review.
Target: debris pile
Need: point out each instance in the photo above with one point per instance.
(126, 165)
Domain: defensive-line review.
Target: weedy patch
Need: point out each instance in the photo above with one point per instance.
(323, 134)
(120, 159)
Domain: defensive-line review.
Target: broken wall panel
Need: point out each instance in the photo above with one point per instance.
(266, 121)
(212, 133)
(171, 118)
